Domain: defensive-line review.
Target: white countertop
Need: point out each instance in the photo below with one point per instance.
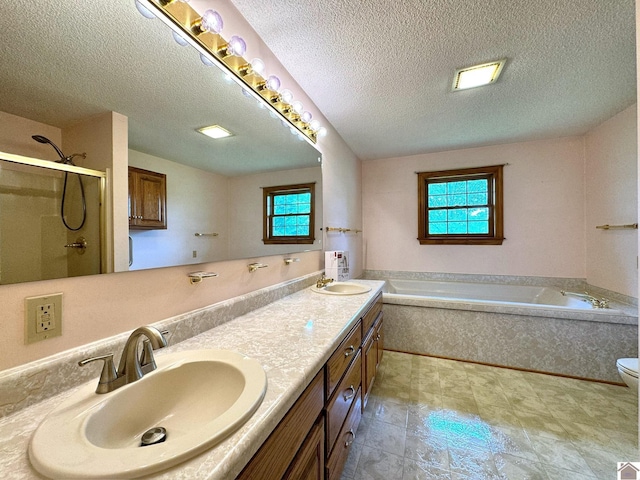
(292, 338)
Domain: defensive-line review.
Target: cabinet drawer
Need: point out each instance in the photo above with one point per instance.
(370, 317)
(341, 358)
(345, 439)
(277, 452)
(343, 398)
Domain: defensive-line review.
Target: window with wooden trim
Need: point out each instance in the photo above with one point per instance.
(461, 207)
(289, 214)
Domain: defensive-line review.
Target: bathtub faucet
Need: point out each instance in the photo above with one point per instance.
(595, 302)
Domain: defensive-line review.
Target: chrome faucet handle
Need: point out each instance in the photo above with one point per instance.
(108, 374)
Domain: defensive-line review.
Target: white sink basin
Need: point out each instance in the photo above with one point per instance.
(198, 396)
(342, 288)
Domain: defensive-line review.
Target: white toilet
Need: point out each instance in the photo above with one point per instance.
(628, 370)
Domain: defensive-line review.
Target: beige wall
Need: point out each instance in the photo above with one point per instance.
(246, 211)
(612, 198)
(197, 201)
(543, 214)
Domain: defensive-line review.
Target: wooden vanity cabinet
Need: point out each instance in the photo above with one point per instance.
(344, 386)
(147, 199)
(313, 440)
(298, 439)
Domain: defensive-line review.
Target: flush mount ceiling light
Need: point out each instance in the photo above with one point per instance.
(477, 75)
(215, 131)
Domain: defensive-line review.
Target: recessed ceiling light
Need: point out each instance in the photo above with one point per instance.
(215, 131)
(477, 75)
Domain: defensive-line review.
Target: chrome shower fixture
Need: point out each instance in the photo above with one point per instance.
(67, 160)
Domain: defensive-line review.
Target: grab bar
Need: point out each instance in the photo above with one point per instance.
(628, 226)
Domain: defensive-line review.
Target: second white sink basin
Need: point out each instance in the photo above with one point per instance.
(342, 288)
(199, 397)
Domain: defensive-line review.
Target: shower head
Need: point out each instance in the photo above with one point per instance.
(41, 139)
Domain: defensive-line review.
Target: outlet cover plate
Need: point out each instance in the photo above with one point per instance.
(52, 304)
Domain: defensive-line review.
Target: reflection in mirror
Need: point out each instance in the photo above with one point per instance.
(106, 81)
(54, 226)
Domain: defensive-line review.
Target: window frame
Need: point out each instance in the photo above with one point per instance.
(267, 225)
(495, 204)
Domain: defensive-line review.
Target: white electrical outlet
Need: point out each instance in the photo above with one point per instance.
(42, 317)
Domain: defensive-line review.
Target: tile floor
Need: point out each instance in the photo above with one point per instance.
(429, 418)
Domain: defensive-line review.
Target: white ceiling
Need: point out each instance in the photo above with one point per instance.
(381, 71)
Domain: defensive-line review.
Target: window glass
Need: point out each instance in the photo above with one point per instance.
(292, 218)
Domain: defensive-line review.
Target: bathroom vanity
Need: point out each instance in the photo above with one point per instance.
(318, 377)
(314, 438)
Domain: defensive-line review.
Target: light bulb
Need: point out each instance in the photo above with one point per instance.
(144, 11)
(236, 46)
(322, 132)
(306, 116)
(258, 66)
(211, 22)
(180, 40)
(286, 95)
(315, 125)
(297, 107)
(273, 83)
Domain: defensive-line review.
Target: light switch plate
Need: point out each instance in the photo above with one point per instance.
(42, 317)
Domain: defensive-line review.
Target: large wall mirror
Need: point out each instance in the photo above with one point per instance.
(101, 79)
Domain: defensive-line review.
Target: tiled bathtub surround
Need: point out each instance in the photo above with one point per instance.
(29, 384)
(436, 419)
(583, 344)
(586, 349)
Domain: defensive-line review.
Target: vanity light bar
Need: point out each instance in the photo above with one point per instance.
(215, 50)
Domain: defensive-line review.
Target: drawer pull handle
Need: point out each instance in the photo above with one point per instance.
(348, 443)
(349, 396)
(378, 337)
(349, 351)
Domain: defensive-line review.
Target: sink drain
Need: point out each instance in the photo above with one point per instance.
(153, 436)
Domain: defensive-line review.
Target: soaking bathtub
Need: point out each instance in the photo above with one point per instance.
(529, 328)
(488, 294)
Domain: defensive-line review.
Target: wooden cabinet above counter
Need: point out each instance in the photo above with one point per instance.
(147, 199)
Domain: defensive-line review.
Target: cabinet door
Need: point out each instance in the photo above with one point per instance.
(309, 461)
(147, 199)
(370, 360)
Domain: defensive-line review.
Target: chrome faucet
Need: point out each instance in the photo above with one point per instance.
(132, 365)
(323, 281)
(595, 302)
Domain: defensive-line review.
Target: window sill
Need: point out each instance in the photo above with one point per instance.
(460, 241)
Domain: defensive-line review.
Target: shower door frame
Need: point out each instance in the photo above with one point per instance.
(106, 255)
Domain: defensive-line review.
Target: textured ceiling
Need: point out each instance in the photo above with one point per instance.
(62, 62)
(381, 71)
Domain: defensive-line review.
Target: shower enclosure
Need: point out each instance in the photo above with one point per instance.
(35, 241)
